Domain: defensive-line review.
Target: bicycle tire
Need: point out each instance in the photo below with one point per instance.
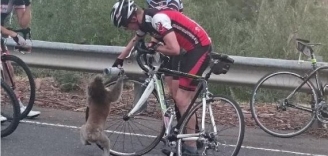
(255, 116)
(28, 72)
(230, 101)
(145, 150)
(16, 112)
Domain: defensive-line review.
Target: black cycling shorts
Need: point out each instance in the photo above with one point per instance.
(194, 62)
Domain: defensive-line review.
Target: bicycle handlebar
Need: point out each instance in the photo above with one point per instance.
(26, 33)
(142, 54)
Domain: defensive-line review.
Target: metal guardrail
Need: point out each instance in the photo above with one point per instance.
(94, 58)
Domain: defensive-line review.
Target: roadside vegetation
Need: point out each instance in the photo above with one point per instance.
(252, 28)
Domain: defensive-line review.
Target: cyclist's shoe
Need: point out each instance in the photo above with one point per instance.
(189, 151)
(3, 119)
(32, 114)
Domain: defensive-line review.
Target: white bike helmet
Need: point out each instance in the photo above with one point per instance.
(122, 12)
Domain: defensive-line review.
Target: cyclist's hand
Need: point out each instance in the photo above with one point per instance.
(20, 40)
(152, 47)
(22, 45)
(118, 62)
(151, 44)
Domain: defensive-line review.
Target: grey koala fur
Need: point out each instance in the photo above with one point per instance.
(99, 98)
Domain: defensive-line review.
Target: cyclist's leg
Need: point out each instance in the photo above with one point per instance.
(175, 63)
(174, 85)
(170, 80)
(193, 62)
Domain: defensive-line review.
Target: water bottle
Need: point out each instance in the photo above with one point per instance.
(113, 71)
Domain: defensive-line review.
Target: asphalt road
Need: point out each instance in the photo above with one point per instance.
(56, 133)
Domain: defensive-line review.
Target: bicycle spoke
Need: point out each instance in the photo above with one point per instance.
(130, 127)
(227, 117)
(118, 125)
(136, 126)
(280, 117)
(145, 126)
(138, 137)
(118, 135)
(124, 138)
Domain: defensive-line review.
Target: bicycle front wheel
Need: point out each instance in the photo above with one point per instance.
(10, 111)
(278, 115)
(23, 80)
(140, 133)
(228, 122)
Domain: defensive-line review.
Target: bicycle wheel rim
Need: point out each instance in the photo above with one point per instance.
(154, 139)
(16, 110)
(27, 71)
(256, 94)
(240, 129)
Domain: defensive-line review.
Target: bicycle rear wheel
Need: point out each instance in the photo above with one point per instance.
(142, 132)
(23, 82)
(10, 110)
(230, 125)
(277, 115)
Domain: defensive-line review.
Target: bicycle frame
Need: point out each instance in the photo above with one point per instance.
(320, 89)
(155, 81)
(26, 33)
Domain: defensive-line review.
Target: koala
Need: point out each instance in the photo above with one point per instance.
(98, 99)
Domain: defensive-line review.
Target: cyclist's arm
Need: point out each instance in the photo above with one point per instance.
(171, 46)
(128, 47)
(162, 23)
(5, 31)
(15, 36)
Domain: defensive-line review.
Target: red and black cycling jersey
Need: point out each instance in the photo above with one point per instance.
(160, 21)
(7, 7)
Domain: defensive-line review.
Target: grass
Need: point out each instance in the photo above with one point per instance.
(251, 28)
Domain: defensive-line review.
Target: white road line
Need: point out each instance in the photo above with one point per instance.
(151, 136)
(75, 127)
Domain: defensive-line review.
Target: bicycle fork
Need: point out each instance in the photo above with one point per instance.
(148, 90)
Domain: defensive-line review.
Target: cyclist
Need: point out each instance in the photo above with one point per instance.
(171, 81)
(177, 32)
(23, 12)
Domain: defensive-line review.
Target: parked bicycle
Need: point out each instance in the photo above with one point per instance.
(285, 104)
(23, 82)
(10, 112)
(144, 124)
